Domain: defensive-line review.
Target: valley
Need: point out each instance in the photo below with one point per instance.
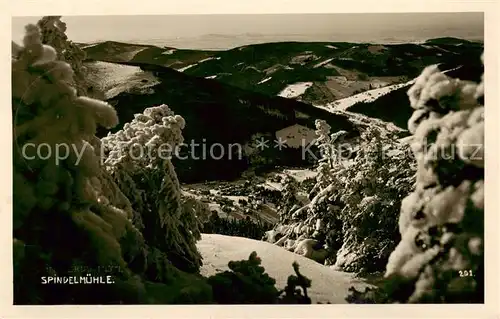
(274, 90)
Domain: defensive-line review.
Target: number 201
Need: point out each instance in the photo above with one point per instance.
(465, 273)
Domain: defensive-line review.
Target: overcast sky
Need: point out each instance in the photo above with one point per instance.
(95, 28)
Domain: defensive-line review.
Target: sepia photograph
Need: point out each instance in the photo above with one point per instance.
(248, 159)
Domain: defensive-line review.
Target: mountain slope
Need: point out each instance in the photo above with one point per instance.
(328, 285)
(395, 106)
(217, 113)
(336, 70)
(230, 97)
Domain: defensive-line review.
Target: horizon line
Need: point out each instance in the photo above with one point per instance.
(416, 42)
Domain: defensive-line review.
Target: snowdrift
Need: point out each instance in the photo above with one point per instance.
(328, 285)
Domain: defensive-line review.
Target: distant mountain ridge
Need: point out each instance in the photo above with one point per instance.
(233, 96)
(222, 42)
(335, 69)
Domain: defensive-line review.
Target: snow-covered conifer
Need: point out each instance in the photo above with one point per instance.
(441, 222)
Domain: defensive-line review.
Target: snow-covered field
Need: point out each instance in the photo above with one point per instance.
(265, 80)
(209, 58)
(361, 119)
(327, 285)
(367, 96)
(168, 52)
(201, 61)
(296, 136)
(298, 174)
(295, 90)
(111, 78)
(323, 63)
(301, 174)
(127, 56)
(187, 67)
(89, 45)
(331, 46)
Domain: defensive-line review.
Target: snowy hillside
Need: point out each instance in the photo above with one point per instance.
(198, 63)
(371, 95)
(112, 79)
(294, 90)
(328, 285)
(367, 96)
(316, 73)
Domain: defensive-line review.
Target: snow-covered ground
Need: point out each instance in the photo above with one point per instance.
(266, 212)
(361, 119)
(298, 174)
(168, 52)
(367, 96)
(89, 45)
(406, 140)
(123, 53)
(201, 61)
(187, 67)
(272, 185)
(116, 73)
(209, 58)
(112, 78)
(127, 56)
(265, 80)
(327, 284)
(301, 174)
(295, 90)
(296, 136)
(323, 63)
